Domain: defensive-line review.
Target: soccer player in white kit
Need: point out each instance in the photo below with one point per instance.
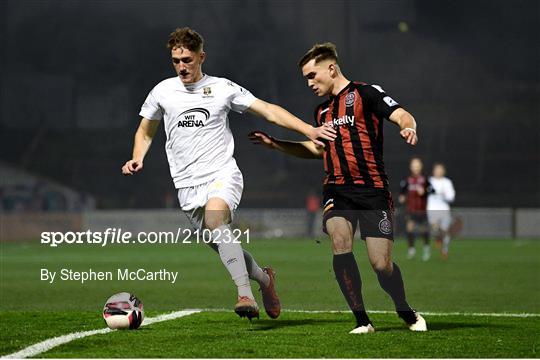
(199, 146)
(438, 206)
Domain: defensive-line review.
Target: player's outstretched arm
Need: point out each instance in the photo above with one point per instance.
(301, 149)
(143, 139)
(406, 123)
(279, 116)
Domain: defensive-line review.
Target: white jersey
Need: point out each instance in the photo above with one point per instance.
(199, 140)
(443, 194)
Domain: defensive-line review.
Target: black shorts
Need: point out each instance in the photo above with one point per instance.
(418, 217)
(370, 207)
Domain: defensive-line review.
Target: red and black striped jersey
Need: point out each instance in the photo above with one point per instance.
(356, 155)
(410, 187)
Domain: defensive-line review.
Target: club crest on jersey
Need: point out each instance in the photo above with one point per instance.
(207, 91)
(349, 99)
(193, 117)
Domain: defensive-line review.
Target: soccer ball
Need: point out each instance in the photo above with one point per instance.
(123, 311)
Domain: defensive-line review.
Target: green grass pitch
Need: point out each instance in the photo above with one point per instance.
(481, 276)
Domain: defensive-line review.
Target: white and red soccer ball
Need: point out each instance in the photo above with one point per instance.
(123, 311)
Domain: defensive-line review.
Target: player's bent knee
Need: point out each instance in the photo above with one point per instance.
(341, 244)
(216, 214)
(213, 219)
(341, 234)
(213, 223)
(382, 266)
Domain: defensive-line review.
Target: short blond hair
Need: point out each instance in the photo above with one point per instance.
(319, 52)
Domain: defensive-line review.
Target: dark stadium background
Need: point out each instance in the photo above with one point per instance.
(75, 73)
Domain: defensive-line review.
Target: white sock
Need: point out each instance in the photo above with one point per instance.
(446, 242)
(254, 270)
(233, 258)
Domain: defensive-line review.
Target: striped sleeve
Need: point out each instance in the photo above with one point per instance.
(381, 104)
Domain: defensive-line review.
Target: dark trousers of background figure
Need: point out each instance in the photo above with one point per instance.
(310, 230)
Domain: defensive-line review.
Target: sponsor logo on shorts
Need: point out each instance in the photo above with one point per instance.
(216, 185)
(385, 226)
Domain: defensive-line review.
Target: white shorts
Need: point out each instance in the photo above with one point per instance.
(227, 185)
(439, 219)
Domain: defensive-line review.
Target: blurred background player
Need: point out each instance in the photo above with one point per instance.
(414, 192)
(355, 189)
(313, 205)
(194, 108)
(438, 206)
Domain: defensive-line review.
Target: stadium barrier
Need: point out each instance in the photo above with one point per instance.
(526, 223)
(29, 226)
(487, 223)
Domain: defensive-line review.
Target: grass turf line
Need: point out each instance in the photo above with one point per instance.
(216, 334)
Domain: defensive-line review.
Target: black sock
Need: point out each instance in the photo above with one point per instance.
(393, 285)
(348, 278)
(426, 238)
(410, 239)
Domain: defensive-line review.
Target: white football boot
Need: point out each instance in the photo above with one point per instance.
(419, 325)
(427, 253)
(363, 329)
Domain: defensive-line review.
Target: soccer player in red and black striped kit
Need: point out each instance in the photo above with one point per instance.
(414, 192)
(356, 186)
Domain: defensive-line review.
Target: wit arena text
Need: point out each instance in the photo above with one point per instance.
(117, 236)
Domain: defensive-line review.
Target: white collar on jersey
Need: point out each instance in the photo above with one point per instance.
(194, 86)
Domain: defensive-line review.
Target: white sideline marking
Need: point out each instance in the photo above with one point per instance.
(48, 344)
(519, 315)
(513, 315)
